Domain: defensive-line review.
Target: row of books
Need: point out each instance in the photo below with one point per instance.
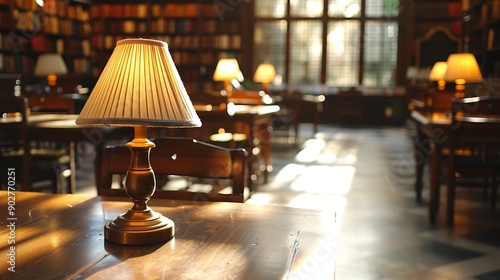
(163, 25)
(13, 43)
(64, 9)
(212, 42)
(41, 43)
(26, 4)
(66, 27)
(16, 63)
(140, 10)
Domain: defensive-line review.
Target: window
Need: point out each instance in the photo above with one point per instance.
(338, 42)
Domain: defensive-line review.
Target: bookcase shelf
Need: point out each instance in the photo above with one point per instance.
(484, 37)
(28, 30)
(196, 36)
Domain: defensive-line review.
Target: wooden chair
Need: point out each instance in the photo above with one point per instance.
(36, 168)
(287, 121)
(186, 157)
(474, 146)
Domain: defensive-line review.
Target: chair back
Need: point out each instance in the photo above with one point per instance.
(182, 157)
(476, 126)
(13, 131)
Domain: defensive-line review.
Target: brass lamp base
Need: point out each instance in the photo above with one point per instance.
(140, 224)
(139, 228)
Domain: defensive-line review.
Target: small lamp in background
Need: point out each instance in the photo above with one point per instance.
(227, 70)
(264, 74)
(437, 74)
(50, 65)
(412, 74)
(139, 87)
(462, 68)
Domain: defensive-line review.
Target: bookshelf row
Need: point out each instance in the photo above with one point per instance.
(160, 25)
(142, 10)
(484, 38)
(188, 42)
(85, 33)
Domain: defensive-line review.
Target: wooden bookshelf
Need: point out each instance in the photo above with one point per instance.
(28, 30)
(196, 35)
(484, 36)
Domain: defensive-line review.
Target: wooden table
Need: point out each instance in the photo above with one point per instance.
(212, 241)
(433, 130)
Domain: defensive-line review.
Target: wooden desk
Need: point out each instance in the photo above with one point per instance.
(433, 130)
(212, 241)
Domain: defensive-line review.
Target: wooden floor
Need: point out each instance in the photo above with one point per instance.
(366, 175)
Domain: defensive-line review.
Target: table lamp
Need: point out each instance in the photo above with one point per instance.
(264, 74)
(227, 70)
(139, 87)
(437, 74)
(50, 65)
(462, 68)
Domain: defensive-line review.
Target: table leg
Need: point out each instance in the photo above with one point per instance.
(434, 182)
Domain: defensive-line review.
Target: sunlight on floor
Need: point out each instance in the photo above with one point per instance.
(323, 179)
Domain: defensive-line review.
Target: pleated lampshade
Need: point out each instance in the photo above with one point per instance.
(464, 67)
(139, 86)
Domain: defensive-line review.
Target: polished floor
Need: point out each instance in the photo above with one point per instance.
(366, 176)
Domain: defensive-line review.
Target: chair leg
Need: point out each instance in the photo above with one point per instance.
(494, 191)
(450, 210)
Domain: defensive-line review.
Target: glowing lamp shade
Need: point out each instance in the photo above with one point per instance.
(50, 65)
(139, 87)
(264, 74)
(437, 74)
(462, 68)
(227, 70)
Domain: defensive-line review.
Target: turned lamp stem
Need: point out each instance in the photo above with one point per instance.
(140, 224)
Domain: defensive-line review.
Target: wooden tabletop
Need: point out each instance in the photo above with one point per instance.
(212, 241)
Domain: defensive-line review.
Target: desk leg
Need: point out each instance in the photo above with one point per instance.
(72, 166)
(434, 183)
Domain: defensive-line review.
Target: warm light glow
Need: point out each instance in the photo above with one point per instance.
(227, 69)
(438, 71)
(139, 85)
(265, 73)
(50, 65)
(437, 74)
(462, 68)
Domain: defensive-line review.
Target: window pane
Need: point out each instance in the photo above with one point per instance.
(342, 66)
(382, 8)
(305, 51)
(269, 44)
(380, 55)
(307, 8)
(270, 8)
(344, 8)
